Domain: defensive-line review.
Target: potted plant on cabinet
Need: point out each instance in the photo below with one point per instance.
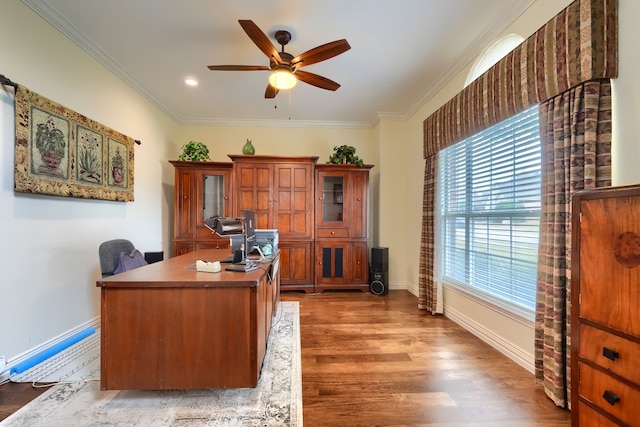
(194, 151)
(345, 154)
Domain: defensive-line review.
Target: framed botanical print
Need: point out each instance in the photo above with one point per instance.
(60, 152)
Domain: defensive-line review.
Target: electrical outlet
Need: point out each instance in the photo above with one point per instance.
(3, 363)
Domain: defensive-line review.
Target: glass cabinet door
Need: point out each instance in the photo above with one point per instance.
(332, 198)
(213, 196)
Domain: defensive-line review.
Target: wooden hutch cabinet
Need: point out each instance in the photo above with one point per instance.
(342, 230)
(202, 190)
(320, 212)
(605, 315)
(280, 192)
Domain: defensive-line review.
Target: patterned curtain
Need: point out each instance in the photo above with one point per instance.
(576, 154)
(429, 298)
(577, 45)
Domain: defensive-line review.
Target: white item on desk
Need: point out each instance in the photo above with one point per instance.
(209, 267)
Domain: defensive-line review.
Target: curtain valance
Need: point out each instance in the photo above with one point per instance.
(577, 45)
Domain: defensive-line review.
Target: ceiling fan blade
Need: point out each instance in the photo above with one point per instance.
(316, 80)
(271, 92)
(260, 39)
(321, 53)
(237, 67)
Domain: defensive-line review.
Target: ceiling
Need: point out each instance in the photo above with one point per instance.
(402, 52)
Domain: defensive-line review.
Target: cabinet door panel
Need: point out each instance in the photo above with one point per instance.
(359, 205)
(302, 178)
(331, 201)
(246, 177)
(263, 201)
(359, 263)
(332, 262)
(609, 285)
(294, 197)
(295, 263)
(254, 192)
(263, 177)
(284, 176)
(185, 204)
(284, 223)
(284, 200)
(301, 200)
(213, 199)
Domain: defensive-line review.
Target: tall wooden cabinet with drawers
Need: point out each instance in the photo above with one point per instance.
(202, 190)
(342, 234)
(605, 326)
(320, 212)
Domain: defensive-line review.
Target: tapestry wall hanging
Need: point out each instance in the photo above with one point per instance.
(62, 153)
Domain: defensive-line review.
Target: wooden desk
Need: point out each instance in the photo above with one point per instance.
(164, 326)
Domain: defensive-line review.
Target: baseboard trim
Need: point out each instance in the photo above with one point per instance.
(46, 347)
(513, 352)
(404, 286)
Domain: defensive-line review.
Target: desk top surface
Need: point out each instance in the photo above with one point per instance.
(175, 272)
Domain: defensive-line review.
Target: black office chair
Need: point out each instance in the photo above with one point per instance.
(109, 253)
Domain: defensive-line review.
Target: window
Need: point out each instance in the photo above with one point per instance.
(493, 54)
(489, 212)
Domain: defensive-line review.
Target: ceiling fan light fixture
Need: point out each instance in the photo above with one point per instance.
(282, 79)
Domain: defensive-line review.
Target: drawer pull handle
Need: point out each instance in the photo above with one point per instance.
(610, 354)
(611, 397)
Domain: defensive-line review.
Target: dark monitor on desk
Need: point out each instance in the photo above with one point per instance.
(250, 225)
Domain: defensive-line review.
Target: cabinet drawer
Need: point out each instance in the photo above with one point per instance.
(594, 384)
(590, 418)
(594, 343)
(333, 232)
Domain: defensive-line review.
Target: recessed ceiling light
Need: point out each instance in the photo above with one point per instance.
(191, 82)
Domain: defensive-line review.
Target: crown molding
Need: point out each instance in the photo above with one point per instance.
(277, 123)
(475, 49)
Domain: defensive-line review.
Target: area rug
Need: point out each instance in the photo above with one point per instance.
(276, 401)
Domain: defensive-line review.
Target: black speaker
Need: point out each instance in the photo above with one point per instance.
(378, 275)
(380, 259)
(379, 282)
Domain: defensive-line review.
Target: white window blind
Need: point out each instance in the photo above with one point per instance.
(489, 210)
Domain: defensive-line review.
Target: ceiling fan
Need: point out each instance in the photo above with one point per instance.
(284, 66)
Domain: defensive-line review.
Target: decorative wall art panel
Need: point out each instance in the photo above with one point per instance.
(62, 153)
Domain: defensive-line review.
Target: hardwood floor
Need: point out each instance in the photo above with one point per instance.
(379, 361)
(14, 396)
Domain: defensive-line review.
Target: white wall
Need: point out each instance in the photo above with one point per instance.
(626, 98)
(49, 250)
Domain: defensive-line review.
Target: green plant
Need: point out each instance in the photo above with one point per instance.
(117, 160)
(194, 151)
(345, 154)
(50, 138)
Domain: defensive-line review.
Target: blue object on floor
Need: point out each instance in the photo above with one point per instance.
(52, 351)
